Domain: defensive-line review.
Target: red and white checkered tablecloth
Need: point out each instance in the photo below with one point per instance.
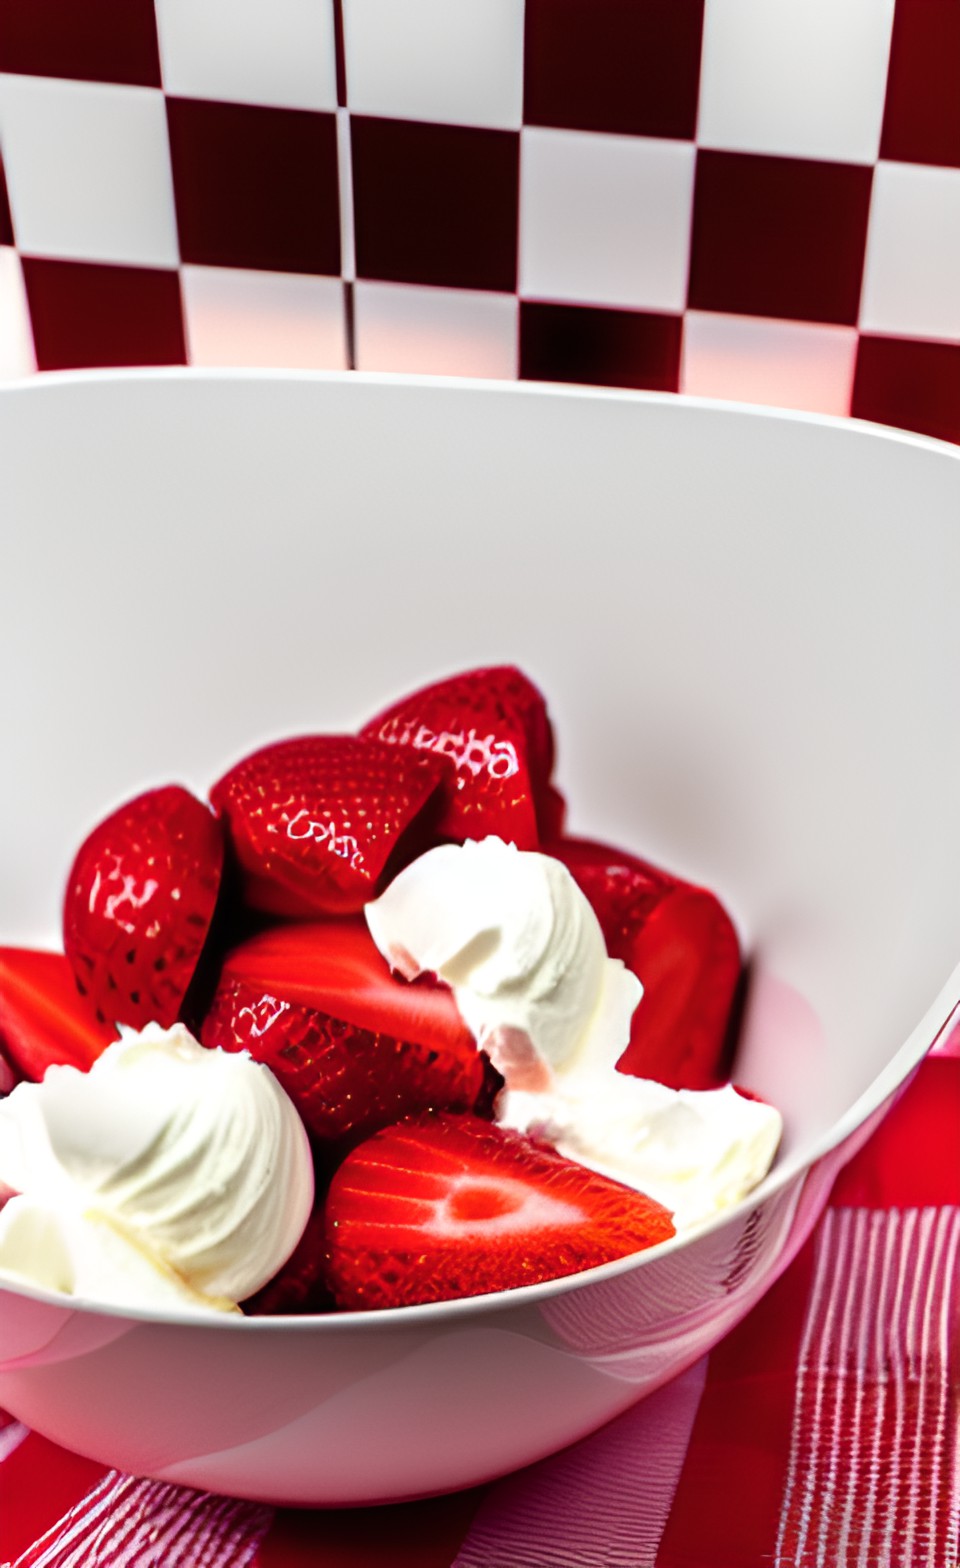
(756, 199)
(823, 1433)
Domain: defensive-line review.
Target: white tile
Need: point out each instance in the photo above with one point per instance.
(248, 51)
(455, 61)
(799, 78)
(88, 170)
(279, 319)
(755, 360)
(605, 219)
(16, 339)
(443, 332)
(911, 281)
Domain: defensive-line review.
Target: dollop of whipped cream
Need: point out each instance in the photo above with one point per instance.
(167, 1175)
(510, 931)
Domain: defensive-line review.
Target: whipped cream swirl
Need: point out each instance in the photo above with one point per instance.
(166, 1174)
(510, 931)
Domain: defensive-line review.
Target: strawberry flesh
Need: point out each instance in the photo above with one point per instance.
(313, 821)
(44, 1021)
(346, 1081)
(492, 725)
(682, 945)
(139, 902)
(442, 1206)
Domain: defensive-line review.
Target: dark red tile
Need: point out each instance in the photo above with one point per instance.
(88, 40)
(6, 221)
(435, 204)
(910, 384)
(628, 66)
(87, 314)
(778, 236)
(614, 348)
(255, 187)
(921, 121)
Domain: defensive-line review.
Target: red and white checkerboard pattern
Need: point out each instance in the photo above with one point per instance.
(755, 199)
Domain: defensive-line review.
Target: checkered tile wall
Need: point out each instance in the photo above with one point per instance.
(756, 199)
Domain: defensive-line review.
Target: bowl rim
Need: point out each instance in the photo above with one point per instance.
(941, 1015)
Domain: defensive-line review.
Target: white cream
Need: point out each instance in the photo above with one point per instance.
(165, 1158)
(695, 1151)
(512, 934)
(510, 931)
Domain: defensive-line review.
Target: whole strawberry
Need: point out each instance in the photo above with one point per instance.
(440, 1207)
(492, 725)
(139, 901)
(314, 820)
(680, 942)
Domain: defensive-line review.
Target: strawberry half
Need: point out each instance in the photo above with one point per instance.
(346, 1081)
(444, 1206)
(314, 820)
(44, 1021)
(681, 943)
(334, 967)
(140, 898)
(493, 726)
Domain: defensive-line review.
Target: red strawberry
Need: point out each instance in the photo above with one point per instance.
(445, 1206)
(314, 820)
(139, 901)
(333, 967)
(300, 1285)
(346, 1081)
(43, 1018)
(681, 943)
(493, 725)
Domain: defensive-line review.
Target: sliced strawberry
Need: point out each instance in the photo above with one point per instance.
(346, 1081)
(139, 901)
(681, 943)
(446, 1206)
(314, 820)
(333, 966)
(44, 1021)
(493, 725)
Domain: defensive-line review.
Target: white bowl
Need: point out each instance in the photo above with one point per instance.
(746, 626)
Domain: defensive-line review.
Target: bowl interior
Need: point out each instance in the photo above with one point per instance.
(743, 623)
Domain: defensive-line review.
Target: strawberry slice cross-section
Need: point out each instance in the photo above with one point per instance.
(314, 820)
(44, 1021)
(492, 725)
(443, 1206)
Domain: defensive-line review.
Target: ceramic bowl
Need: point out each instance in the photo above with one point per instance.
(746, 626)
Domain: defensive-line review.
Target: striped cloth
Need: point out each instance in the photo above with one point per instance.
(822, 1433)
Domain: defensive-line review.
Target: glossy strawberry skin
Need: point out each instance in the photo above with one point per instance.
(44, 1021)
(492, 725)
(440, 1207)
(139, 901)
(333, 966)
(682, 945)
(314, 820)
(346, 1081)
